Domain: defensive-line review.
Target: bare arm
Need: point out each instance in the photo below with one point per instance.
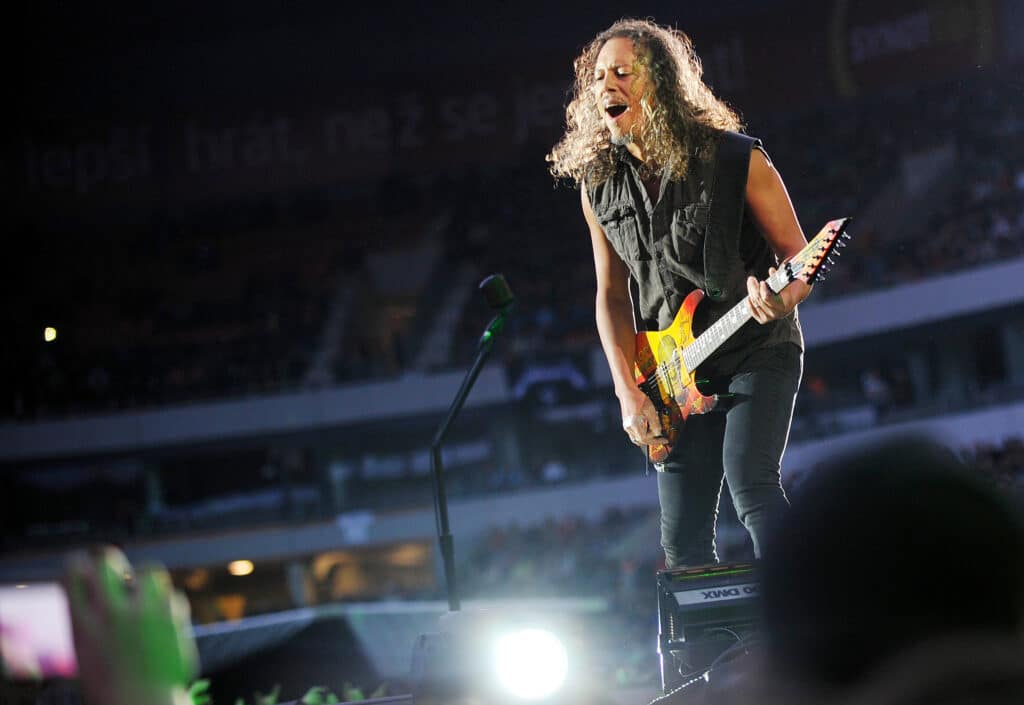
(773, 212)
(614, 314)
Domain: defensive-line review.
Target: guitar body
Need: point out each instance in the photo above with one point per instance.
(661, 374)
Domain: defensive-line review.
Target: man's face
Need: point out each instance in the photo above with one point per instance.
(619, 83)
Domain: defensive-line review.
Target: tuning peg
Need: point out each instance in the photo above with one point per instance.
(846, 236)
(841, 244)
(830, 260)
(819, 278)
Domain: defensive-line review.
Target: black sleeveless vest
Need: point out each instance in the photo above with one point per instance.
(696, 235)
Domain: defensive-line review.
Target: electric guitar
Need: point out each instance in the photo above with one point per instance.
(666, 359)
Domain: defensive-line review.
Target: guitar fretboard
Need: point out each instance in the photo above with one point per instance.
(710, 340)
(804, 265)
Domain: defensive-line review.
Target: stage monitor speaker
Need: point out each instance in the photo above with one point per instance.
(702, 611)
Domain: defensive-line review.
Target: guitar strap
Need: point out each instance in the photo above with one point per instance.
(726, 202)
(634, 297)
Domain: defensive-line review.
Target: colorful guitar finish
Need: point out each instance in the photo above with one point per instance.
(666, 359)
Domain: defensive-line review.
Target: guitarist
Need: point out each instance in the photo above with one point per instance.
(676, 199)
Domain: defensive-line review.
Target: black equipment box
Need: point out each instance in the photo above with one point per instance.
(702, 611)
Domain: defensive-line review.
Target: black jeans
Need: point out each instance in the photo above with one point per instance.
(744, 445)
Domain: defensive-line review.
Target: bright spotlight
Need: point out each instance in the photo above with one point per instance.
(242, 567)
(531, 664)
(49, 334)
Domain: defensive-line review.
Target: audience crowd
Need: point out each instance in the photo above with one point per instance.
(236, 300)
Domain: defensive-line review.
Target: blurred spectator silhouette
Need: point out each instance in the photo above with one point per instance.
(896, 577)
(876, 389)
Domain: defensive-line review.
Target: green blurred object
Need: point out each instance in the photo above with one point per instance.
(352, 693)
(131, 632)
(268, 699)
(319, 695)
(198, 692)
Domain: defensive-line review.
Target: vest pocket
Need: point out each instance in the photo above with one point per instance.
(619, 224)
(688, 228)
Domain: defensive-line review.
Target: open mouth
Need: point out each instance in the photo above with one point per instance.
(616, 110)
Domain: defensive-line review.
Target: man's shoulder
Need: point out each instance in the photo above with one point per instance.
(738, 140)
(733, 149)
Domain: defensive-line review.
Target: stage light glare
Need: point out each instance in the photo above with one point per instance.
(531, 664)
(242, 567)
(49, 334)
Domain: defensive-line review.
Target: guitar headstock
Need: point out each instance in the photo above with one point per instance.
(819, 255)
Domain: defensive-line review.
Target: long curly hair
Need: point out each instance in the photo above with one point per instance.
(682, 117)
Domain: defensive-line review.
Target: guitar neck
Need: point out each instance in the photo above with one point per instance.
(805, 265)
(710, 340)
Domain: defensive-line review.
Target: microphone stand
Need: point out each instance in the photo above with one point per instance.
(444, 535)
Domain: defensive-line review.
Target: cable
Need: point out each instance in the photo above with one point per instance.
(742, 643)
(739, 641)
(737, 637)
(674, 691)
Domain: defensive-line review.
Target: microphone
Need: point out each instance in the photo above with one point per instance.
(497, 292)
